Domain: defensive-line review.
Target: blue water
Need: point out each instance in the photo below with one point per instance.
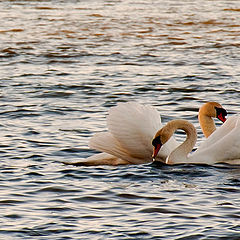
(63, 64)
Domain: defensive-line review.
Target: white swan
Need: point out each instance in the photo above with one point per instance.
(223, 146)
(131, 127)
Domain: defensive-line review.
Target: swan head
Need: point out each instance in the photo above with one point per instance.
(164, 134)
(213, 110)
(157, 144)
(160, 138)
(221, 114)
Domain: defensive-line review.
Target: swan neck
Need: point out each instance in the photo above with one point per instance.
(207, 124)
(205, 116)
(180, 154)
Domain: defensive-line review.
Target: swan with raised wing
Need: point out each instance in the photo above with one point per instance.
(223, 146)
(131, 127)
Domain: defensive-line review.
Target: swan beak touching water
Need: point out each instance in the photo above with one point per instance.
(161, 137)
(156, 142)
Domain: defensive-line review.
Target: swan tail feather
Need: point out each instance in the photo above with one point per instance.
(107, 143)
(99, 159)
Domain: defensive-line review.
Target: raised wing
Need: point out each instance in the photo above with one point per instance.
(134, 126)
(106, 142)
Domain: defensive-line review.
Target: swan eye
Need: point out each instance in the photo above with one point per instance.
(156, 141)
(221, 114)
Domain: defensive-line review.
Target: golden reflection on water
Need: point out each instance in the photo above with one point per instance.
(163, 22)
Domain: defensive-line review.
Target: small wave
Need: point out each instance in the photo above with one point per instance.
(72, 150)
(13, 216)
(184, 89)
(34, 174)
(10, 202)
(20, 113)
(230, 91)
(128, 196)
(176, 43)
(232, 9)
(210, 22)
(12, 30)
(90, 199)
(66, 55)
(55, 94)
(31, 132)
(56, 209)
(55, 189)
(46, 8)
(96, 15)
(8, 52)
(159, 210)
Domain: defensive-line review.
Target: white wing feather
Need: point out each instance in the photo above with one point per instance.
(222, 146)
(132, 127)
(218, 134)
(106, 142)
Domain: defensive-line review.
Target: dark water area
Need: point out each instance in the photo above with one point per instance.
(63, 64)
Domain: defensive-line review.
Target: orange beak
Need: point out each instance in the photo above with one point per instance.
(221, 117)
(155, 151)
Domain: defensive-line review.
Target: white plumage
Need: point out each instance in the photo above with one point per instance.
(222, 146)
(131, 127)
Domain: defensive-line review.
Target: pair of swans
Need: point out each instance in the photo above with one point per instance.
(131, 127)
(223, 146)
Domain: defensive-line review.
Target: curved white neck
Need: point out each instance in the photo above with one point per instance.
(180, 154)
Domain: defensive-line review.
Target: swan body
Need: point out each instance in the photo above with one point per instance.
(223, 146)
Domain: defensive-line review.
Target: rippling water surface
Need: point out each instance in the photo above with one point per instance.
(63, 64)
